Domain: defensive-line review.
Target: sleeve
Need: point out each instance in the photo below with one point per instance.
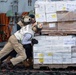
(27, 38)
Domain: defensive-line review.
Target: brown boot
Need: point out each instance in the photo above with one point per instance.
(25, 63)
(30, 61)
(8, 58)
(0, 62)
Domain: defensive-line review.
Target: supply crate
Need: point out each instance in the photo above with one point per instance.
(54, 51)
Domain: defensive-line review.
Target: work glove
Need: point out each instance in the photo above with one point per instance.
(34, 41)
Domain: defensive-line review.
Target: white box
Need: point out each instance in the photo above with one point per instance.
(47, 61)
(66, 55)
(52, 25)
(61, 6)
(51, 17)
(39, 7)
(69, 41)
(40, 17)
(38, 55)
(50, 7)
(60, 48)
(48, 55)
(67, 60)
(57, 55)
(71, 5)
(74, 60)
(73, 55)
(38, 61)
(57, 61)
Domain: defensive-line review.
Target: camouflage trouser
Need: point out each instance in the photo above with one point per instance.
(18, 47)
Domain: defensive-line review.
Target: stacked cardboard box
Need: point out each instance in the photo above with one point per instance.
(55, 50)
(58, 17)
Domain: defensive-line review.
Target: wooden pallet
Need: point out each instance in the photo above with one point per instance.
(37, 66)
(55, 32)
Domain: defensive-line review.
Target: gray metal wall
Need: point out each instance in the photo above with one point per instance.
(22, 6)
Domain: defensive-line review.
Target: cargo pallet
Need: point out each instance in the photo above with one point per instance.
(60, 32)
(55, 66)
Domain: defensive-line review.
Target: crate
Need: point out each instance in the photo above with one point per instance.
(57, 32)
(55, 66)
(54, 51)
